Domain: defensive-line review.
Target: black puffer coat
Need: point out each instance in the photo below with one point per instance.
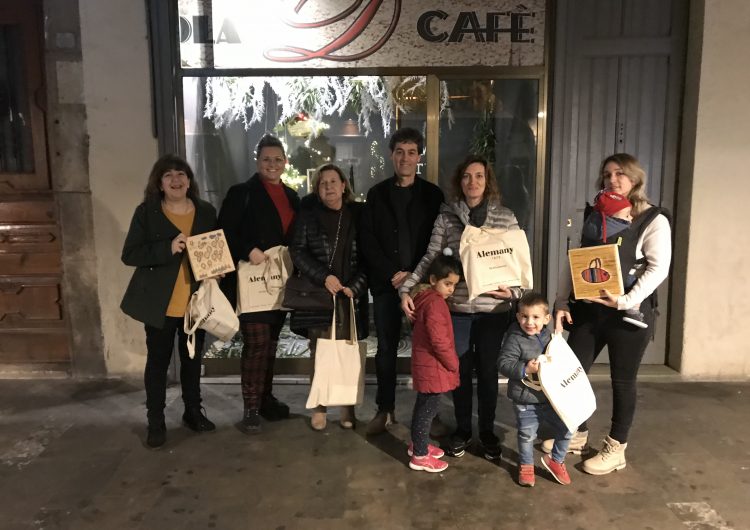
(311, 252)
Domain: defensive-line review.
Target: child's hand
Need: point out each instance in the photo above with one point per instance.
(532, 366)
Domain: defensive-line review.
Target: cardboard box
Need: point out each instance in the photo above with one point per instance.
(209, 255)
(593, 269)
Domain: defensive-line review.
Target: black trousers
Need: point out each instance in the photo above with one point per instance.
(478, 340)
(596, 326)
(159, 345)
(387, 307)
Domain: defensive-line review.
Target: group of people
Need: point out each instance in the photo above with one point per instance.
(403, 245)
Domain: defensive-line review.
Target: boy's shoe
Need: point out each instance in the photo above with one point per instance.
(195, 419)
(382, 419)
(577, 443)
(157, 435)
(457, 444)
(526, 475)
(491, 445)
(272, 409)
(427, 463)
(557, 469)
(610, 458)
(635, 317)
(250, 423)
(432, 450)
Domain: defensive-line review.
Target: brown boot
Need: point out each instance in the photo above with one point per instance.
(348, 420)
(378, 424)
(318, 420)
(610, 458)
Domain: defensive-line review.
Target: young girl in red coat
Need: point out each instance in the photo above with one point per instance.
(434, 363)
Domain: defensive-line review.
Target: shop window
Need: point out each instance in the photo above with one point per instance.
(16, 148)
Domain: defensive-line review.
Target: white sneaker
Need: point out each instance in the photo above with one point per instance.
(610, 458)
(577, 443)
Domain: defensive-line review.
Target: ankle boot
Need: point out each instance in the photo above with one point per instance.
(577, 443)
(348, 420)
(610, 458)
(195, 419)
(318, 420)
(250, 423)
(157, 434)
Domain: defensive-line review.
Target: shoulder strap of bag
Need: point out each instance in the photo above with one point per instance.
(352, 322)
(333, 323)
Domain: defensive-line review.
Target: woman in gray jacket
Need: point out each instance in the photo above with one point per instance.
(479, 324)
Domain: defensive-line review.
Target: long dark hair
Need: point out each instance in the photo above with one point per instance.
(491, 190)
(166, 163)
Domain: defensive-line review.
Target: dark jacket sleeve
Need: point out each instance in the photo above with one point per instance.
(231, 217)
(510, 363)
(438, 325)
(374, 254)
(139, 249)
(303, 259)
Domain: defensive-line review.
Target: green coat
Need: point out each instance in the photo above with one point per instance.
(148, 247)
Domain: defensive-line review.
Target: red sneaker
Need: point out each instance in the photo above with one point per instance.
(432, 450)
(427, 463)
(557, 469)
(526, 475)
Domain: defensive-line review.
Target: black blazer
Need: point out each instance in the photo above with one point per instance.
(249, 220)
(148, 247)
(378, 233)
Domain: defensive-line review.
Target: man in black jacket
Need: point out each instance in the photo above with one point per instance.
(396, 227)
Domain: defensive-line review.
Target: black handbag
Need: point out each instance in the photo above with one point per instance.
(300, 293)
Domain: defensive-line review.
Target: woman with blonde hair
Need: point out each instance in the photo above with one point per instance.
(645, 249)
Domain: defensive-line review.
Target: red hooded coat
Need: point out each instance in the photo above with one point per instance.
(434, 363)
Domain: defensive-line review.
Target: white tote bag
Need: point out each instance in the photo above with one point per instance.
(565, 383)
(261, 287)
(210, 310)
(492, 257)
(339, 378)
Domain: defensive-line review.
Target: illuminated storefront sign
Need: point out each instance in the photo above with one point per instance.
(360, 33)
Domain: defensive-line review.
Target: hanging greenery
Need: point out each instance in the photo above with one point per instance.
(243, 99)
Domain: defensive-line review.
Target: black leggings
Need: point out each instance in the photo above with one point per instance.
(425, 410)
(596, 326)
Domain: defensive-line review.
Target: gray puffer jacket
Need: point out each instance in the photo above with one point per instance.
(518, 349)
(447, 231)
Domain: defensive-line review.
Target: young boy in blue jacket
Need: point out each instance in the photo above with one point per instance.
(524, 342)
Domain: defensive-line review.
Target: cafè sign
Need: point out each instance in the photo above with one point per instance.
(360, 33)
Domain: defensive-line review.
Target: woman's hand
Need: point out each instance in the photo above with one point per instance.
(179, 243)
(532, 366)
(502, 292)
(607, 299)
(348, 292)
(257, 256)
(560, 315)
(407, 306)
(399, 278)
(333, 285)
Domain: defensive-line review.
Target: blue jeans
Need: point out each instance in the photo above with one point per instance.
(528, 418)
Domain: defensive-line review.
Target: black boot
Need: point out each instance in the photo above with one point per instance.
(157, 434)
(272, 409)
(250, 423)
(195, 419)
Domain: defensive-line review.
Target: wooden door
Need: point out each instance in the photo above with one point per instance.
(33, 332)
(618, 78)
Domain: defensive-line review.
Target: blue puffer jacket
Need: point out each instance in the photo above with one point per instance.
(518, 349)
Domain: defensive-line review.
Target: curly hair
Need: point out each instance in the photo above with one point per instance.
(492, 188)
(168, 163)
(632, 168)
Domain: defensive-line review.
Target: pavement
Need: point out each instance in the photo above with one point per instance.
(72, 456)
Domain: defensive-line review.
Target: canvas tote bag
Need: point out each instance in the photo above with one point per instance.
(339, 368)
(261, 287)
(492, 257)
(210, 310)
(565, 383)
